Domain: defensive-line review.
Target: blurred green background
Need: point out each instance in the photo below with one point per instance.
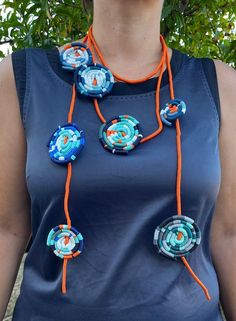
(199, 28)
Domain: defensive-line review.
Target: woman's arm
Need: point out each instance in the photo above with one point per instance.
(15, 230)
(223, 232)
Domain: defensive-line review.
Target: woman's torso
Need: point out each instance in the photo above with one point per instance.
(117, 202)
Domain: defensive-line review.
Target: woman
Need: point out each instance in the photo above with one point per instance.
(116, 202)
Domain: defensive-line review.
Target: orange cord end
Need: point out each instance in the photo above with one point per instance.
(196, 278)
(64, 276)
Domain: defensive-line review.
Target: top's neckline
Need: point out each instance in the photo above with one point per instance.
(119, 88)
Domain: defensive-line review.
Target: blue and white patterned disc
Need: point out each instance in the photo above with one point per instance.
(121, 134)
(65, 242)
(66, 143)
(173, 110)
(177, 236)
(94, 80)
(75, 55)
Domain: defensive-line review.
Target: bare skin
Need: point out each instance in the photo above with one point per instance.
(134, 49)
(121, 35)
(223, 231)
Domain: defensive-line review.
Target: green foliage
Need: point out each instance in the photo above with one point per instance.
(199, 28)
(202, 28)
(42, 23)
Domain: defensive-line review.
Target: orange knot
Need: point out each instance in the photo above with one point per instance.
(66, 139)
(179, 236)
(67, 239)
(173, 108)
(95, 81)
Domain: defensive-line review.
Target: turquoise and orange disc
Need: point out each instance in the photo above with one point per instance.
(66, 143)
(74, 55)
(120, 134)
(65, 242)
(173, 110)
(94, 80)
(177, 236)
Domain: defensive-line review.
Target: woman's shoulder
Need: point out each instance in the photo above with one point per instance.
(8, 93)
(7, 77)
(226, 79)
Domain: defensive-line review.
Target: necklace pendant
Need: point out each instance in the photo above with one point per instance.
(66, 143)
(74, 55)
(120, 134)
(177, 236)
(65, 242)
(173, 110)
(93, 80)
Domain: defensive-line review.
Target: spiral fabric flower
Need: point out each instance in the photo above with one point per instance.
(66, 143)
(75, 55)
(177, 236)
(94, 80)
(120, 134)
(65, 242)
(173, 110)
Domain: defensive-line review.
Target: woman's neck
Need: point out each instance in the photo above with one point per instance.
(128, 34)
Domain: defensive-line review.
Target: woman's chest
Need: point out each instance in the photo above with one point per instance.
(105, 181)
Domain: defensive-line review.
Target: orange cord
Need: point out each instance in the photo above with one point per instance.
(160, 66)
(72, 104)
(67, 189)
(196, 278)
(130, 81)
(64, 276)
(164, 60)
(178, 179)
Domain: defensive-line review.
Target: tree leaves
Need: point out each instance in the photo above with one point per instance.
(197, 27)
(204, 29)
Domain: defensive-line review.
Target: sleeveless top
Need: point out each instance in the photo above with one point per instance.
(117, 202)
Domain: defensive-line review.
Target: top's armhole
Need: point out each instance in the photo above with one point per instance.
(21, 73)
(211, 76)
(19, 69)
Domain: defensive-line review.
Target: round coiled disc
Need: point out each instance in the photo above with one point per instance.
(173, 110)
(177, 236)
(120, 134)
(66, 143)
(75, 55)
(94, 80)
(65, 242)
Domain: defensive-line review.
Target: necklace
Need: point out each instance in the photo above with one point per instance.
(175, 237)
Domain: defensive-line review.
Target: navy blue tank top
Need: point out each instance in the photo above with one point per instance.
(117, 202)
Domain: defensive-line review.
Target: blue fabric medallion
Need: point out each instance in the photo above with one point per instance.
(65, 242)
(75, 55)
(120, 134)
(173, 110)
(177, 236)
(94, 80)
(66, 143)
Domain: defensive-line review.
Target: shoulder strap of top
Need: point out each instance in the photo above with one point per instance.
(211, 76)
(19, 70)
